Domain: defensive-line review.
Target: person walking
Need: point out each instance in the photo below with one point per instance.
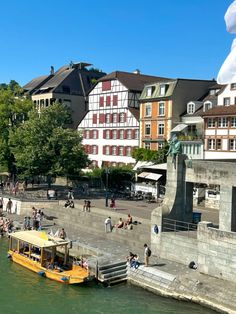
(62, 234)
(147, 254)
(108, 225)
(9, 206)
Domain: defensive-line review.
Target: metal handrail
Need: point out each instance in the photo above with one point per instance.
(172, 225)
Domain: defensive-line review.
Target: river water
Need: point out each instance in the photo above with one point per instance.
(24, 292)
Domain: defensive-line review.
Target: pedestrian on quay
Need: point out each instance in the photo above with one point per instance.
(88, 206)
(147, 254)
(113, 203)
(85, 206)
(108, 225)
(9, 206)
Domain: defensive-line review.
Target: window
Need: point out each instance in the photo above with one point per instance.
(107, 134)
(106, 85)
(161, 109)
(108, 100)
(87, 134)
(113, 150)
(121, 150)
(94, 134)
(211, 144)
(107, 150)
(233, 86)
(128, 151)
(212, 92)
(129, 134)
(115, 100)
(233, 122)
(121, 134)
(94, 149)
(226, 101)
(222, 122)
(107, 118)
(149, 91)
(114, 134)
(161, 128)
(207, 105)
(94, 118)
(101, 118)
(162, 89)
(191, 108)
(101, 101)
(148, 110)
(160, 145)
(136, 134)
(232, 144)
(218, 144)
(147, 145)
(147, 129)
(122, 117)
(114, 118)
(211, 123)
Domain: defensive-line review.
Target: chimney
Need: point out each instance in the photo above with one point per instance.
(52, 70)
(137, 71)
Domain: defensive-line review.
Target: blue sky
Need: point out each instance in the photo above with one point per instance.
(175, 38)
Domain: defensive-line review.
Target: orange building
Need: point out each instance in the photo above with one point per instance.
(161, 105)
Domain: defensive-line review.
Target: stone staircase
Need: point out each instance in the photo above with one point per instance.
(113, 273)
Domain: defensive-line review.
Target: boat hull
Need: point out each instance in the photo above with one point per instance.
(76, 275)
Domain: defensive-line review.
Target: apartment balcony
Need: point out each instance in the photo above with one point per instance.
(190, 137)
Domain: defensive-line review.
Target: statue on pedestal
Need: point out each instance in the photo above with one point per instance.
(174, 149)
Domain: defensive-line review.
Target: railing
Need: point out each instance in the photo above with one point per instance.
(176, 226)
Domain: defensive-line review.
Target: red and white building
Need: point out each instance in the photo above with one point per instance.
(220, 126)
(111, 127)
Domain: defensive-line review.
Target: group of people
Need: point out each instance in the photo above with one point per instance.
(133, 259)
(9, 206)
(37, 217)
(6, 226)
(120, 224)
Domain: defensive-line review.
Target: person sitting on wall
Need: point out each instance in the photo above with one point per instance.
(120, 223)
(128, 222)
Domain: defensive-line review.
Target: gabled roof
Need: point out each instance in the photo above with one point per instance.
(220, 111)
(36, 82)
(132, 81)
(57, 79)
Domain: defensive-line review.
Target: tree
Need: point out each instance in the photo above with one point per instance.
(49, 148)
(13, 111)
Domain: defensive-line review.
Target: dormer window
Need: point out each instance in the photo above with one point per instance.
(149, 91)
(191, 108)
(163, 89)
(207, 105)
(212, 92)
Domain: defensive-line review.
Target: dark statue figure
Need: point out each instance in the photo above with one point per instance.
(174, 149)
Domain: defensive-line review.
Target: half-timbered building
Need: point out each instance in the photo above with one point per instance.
(111, 127)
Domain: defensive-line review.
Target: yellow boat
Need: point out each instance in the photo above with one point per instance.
(47, 256)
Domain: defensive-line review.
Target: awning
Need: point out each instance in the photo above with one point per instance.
(142, 164)
(180, 127)
(158, 166)
(150, 176)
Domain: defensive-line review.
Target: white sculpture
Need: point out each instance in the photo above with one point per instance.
(227, 73)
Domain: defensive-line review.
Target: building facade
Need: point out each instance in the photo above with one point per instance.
(111, 127)
(161, 107)
(68, 85)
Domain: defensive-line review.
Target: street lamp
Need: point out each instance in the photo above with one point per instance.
(107, 173)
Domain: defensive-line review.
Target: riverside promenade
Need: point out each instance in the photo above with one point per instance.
(164, 277)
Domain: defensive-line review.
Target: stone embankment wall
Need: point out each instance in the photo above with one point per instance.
(216, 252)
(178, 248)
(192, 287)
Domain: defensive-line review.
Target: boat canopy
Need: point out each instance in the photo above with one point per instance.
(38, 238)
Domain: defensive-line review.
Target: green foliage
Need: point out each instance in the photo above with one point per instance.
(117, 176)
(142, 154)
(49, 147)
(13, 111)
